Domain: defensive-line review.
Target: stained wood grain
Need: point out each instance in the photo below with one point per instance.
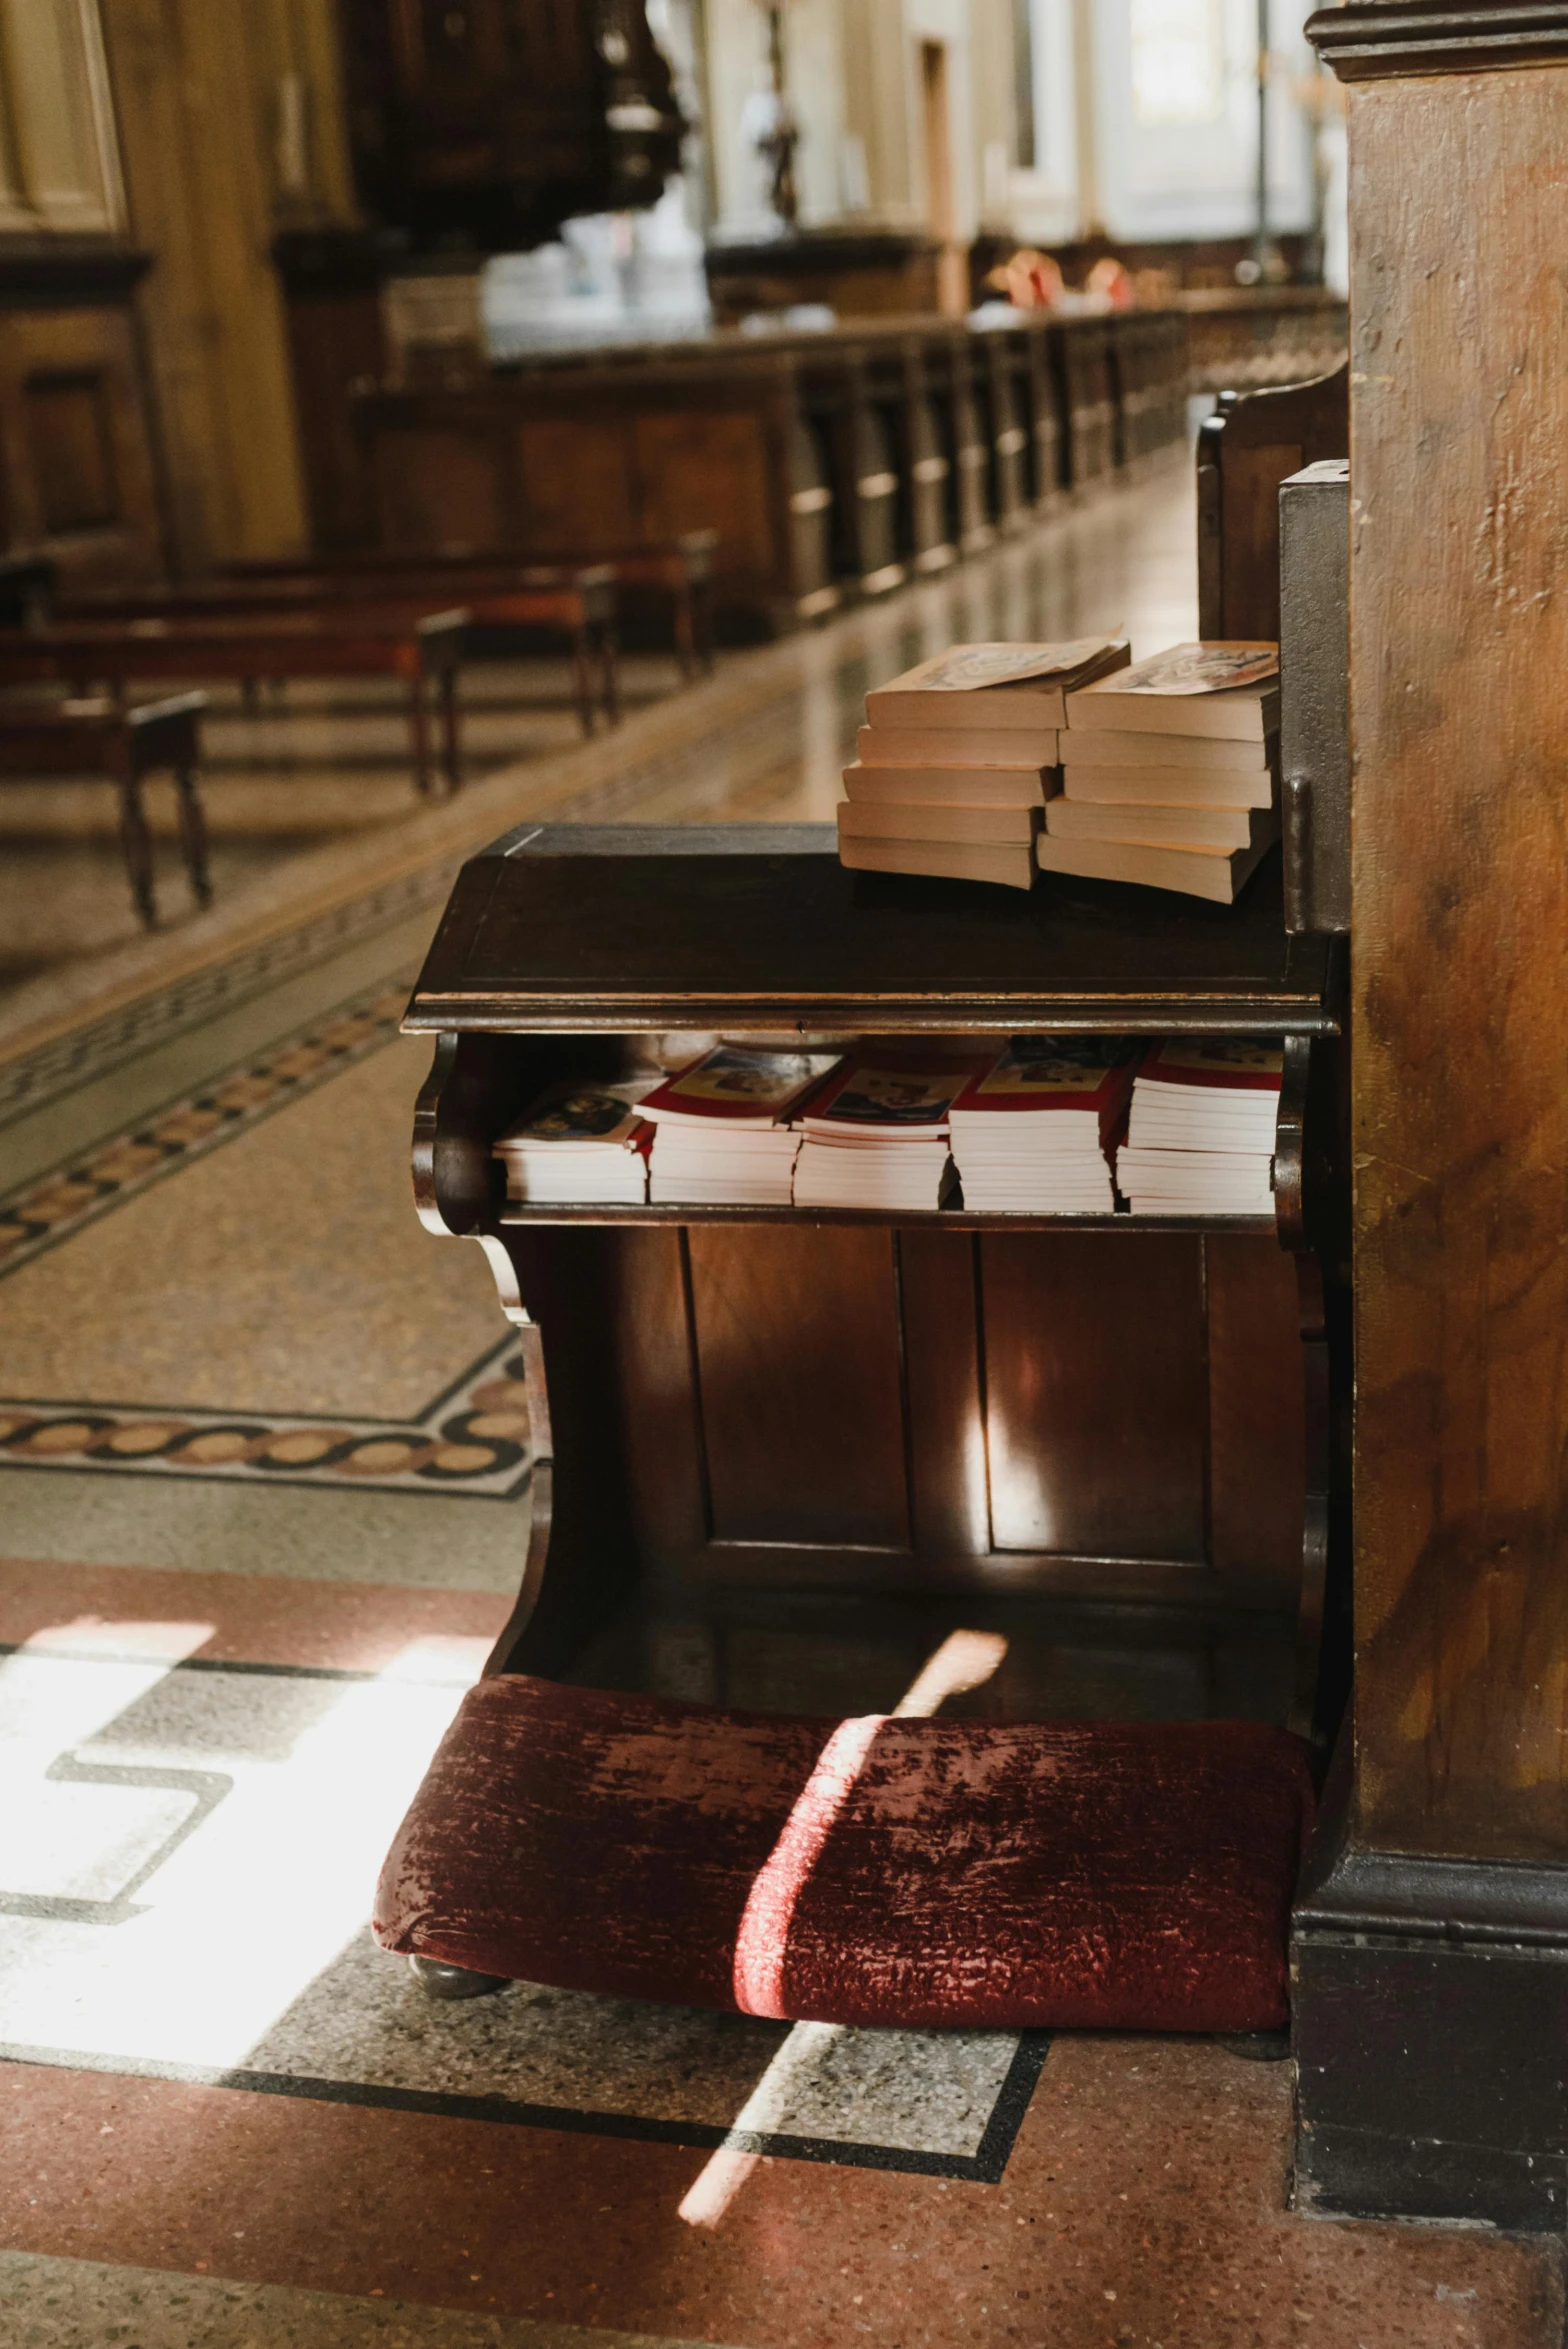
(1095, 1402)
(1460, 878)
(1257, 1418)
(798, 1347)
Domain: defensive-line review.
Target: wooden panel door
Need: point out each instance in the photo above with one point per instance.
(857, 1409)
(798, 1354)
(1096, 1401)
(74, 444)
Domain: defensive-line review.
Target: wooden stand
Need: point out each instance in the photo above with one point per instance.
(765, 1414)
(1432, 1938)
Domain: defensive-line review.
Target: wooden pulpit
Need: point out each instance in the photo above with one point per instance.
(1432, 1932)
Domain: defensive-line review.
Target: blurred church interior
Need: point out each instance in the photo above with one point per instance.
(303, 280)
(423, 421)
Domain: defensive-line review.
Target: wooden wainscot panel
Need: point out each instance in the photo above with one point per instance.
(1257, 1420)
(74, 444)
(797, 1341)
(1459, 415)
(440, 485)
(71, 442)
(1095, 1394)
(709, 471)
(578, 483)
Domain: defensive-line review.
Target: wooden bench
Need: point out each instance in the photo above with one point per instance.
(501, 600)
(424, 652)
(681, 568)
(122, 745)
(1253, 442)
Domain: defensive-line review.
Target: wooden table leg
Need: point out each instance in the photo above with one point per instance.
(135, 839)
(419, 729)
(609, 669)
(582, 675)
(685, 632)
(193, 829)
(451, 750)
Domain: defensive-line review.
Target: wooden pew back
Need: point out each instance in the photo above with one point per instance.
(1252, 442)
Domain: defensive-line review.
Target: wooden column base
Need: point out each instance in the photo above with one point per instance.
(1431, 2034)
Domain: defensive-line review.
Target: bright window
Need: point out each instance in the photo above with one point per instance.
(1177, 61)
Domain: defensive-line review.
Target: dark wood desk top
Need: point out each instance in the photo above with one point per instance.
(393, 597)
(199, 627)
(582, 928)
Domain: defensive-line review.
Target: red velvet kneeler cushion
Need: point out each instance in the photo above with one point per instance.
(1121, 1875)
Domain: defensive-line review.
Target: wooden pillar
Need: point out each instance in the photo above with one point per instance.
(1432, 1931)
(199, 134)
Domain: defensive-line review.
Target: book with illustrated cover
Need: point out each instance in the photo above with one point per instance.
(733, 1087)
(579, 1116)
(1035, 1132)
(581, 1143)
(1229, 691)
(994, 686)
(889, 1097)
(1082, 1082)
(1209, 1093)
(1250, 1064)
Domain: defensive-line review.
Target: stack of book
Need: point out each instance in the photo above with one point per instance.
(958, 758)
(877, 1136)
(1200, 1140)
(579, 1144)
(722, 1130)
(1038, 1131)
(1169, 772)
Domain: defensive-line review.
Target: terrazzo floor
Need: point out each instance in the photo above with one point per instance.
(264, 1486)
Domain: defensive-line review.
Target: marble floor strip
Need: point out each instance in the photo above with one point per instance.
(54, 1206)
(471, 1440)
(1143, 2208)
(252, 1619)
(144, 1783)
(69, 2303)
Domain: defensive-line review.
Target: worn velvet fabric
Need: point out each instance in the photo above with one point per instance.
(1125, 1875)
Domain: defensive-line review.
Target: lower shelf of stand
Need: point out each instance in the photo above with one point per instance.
(951, 1219)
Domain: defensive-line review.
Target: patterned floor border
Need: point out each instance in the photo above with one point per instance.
(986, 2166)
(54, 1206)
(473, 1440)
(98, 1047)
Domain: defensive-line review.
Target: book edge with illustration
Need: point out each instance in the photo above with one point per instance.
(667, 1105)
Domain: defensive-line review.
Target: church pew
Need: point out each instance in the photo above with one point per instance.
(509, 603)
(65, 741)
(424, 653)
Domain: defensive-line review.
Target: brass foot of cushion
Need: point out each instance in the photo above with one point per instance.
(439, 1981)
